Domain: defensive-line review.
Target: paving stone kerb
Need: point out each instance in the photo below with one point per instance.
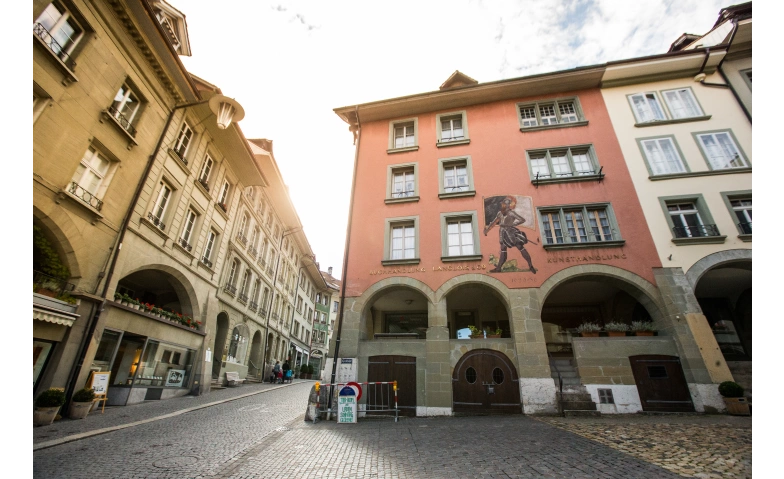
(116, 418)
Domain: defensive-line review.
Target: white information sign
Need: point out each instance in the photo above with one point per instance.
(100, 382)
(347, 408)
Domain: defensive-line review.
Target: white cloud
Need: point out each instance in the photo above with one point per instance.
(290, 64)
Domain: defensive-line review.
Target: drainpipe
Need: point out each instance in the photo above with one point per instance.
(345, 259)
(73, 375)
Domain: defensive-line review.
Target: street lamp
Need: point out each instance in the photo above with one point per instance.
(226, 109)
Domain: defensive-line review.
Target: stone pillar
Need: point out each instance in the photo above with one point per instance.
(537, 388)
(438, 370)
(702, 360)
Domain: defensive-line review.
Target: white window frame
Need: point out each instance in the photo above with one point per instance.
(468, 218)
(183, 142)
(209, 245)
(121, 100)
(444, 139)
(163, 200)
(720, 152)
(223, 198)
(533, 118)
(684, 96)
(206, 170)
(104, 178)
(578, 218)
(656, 157)
(535, 157)
(650, 109)
(407, 123)
(392, 225)
(189, 225)
(66, 17)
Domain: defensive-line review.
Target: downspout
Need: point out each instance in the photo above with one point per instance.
(73, 375)
(345, 259)
(726, 83)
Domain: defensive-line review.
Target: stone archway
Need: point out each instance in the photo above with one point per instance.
(255, 364)
(221, 332)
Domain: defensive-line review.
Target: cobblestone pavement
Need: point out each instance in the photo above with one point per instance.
(691, 446)
(124, 415)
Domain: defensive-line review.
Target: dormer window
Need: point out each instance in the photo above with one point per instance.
(173, 23)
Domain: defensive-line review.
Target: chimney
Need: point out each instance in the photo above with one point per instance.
(329, 271)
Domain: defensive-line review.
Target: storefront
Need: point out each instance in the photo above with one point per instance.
(51, 320)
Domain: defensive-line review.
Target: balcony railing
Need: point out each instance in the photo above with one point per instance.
(206, 262)
(85, 196)
(252, 251)
(55, 47)
(122, 120)
(269, 270)
(262, 313)
(49, 284)
(156, 221)
(745, 228)
(254, 306)
(230, 288)
(243, 298)
(262, 263)
(179, 154)
(276, 316)
(204, 183)
(242, 239)
(185, 245)
(696, 231)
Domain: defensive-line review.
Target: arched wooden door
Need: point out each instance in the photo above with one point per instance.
(485, 381)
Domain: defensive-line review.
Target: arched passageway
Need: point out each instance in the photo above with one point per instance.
(396, 312)
(476, 306)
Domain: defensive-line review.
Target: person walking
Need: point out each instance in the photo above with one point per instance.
(276, 372)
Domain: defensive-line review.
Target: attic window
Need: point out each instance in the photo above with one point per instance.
(171, 31)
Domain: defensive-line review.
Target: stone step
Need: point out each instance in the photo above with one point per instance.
(561, 362)
(571, 382)
(578, 405)
(565, 374)
(581, 413)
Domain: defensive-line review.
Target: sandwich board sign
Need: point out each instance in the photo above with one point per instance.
(347, 406)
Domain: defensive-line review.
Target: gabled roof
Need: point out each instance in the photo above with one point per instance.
(683, 41)
(456, 80)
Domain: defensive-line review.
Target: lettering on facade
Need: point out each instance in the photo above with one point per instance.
(460, 267)
(579, 259)
(374, 272)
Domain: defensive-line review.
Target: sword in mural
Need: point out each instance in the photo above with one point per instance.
(508, 212)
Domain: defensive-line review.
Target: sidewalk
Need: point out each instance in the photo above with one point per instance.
(120, 417)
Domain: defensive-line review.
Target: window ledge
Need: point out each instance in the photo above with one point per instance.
(131, 140)
(550, 127)
(567, 179)
(692, 174)
(699, 240)
(208, 268)
(70, 77)
(67, 194)
(223, 212)
(402, 150)
(671, 122)
(391, 262)
(470, 257)
(184, 249)
(152, 226)
(442, 144)
(590, 244)
(458, 194)
(181, 161)
(407, 199)
(202, 188)
(745, 238)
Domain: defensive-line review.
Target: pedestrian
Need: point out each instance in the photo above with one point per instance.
(509, 236)
(275, 372)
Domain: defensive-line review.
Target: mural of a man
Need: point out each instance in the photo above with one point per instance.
(509, 236)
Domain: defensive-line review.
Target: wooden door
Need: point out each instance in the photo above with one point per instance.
(485, 381)
(393, 368)
(661, 383)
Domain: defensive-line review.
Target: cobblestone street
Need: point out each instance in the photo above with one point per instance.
(257, 431)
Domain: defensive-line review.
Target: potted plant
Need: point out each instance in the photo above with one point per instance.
(476, 332)
(118, 297)
(494, 333)
(81, 403)
(732, 393)
(305, 373)
(642, 328)
(616, 329)
(47, 405)
(589, 330)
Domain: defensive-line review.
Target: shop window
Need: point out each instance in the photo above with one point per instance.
(397, 323)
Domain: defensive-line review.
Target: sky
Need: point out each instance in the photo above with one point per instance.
(289, 64)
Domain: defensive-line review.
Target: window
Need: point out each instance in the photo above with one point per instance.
(562, 163)
(459, 236)
(91, 178)
(244, 285)
(59, 30)
(401, 244)
(739, 206)
(334, 306)
(605, 396)
(206, 168)
(746, 76)
(578, 225)
(409, 322)
(646, 107)
(452, 128)
(690, 220)
(720, 150)
(402, 183)
(40, 101)
(224, 195)
(299, 304)
(187, 230)
(182, 144)
(158, 212)
(125, 107)
(254, 305)
(550, 113)
(208, 247)
(681, 103)
(231, 281)
(662, 156)
(403, 135)
(455, 177)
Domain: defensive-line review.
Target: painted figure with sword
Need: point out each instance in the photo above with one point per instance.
(509, 236)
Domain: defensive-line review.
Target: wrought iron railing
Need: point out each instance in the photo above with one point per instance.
(204, 183)
(254, 306)
(122, 121)
(455, 189)
(745, 228)
(695, 231)
(206, 262)
(276, 316)
(262, 263)
(85, 195)
(179, 154)
(262, 313)
(53, 45)
(230, 288)
(57, 286)
(242, 239)
(156, 221)
(269, 270)
(403, 194)
(185, 245)
(252, 251)
(242, 298)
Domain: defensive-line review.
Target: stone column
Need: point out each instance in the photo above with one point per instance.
(438, 370)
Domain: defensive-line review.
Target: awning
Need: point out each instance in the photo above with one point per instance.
(63, 318)
(298, 348)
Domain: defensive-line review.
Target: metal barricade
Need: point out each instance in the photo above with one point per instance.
(378, 399)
